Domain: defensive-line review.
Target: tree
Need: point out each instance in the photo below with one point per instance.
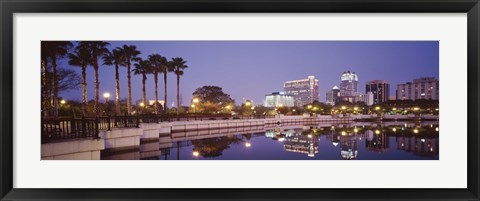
(97, 50)
(44, 62)
(82, 58)
(116, 58)
(157, 61)
(212, 98)
(55, 50)
(130, 53)
(142, 67)
(178, 65)
(165, 69)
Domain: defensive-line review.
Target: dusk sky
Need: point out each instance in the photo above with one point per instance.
(252, 69)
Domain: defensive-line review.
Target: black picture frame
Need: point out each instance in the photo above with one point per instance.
(9, 7)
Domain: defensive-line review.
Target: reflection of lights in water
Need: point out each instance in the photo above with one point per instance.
(423, 140)
(309, 136)
(335, 143)
(247, 144)
(344, 133)
(405, 124)
(403, 145)
(431, 125)
(377, 132)
(360, 138)
(431, 149)
(355, 130)
(333, 127)
(195, 153)
(394, 129)
(403, 128)
(281, 139)
(436, 129)
(415, 130)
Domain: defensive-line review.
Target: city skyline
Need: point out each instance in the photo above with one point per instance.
(252, 69)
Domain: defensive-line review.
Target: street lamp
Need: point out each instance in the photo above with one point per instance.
(63, 102)
(106, 95)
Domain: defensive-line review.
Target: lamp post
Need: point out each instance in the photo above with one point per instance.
(195, 102)
(106, 95)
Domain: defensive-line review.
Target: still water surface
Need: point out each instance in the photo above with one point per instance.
(359, 141)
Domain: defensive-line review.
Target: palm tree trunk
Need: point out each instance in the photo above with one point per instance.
(144, 97)
(155, 78)
(117, 91)
(178, 94)
(55, 87)
(96, 106)
(129, 98)
(44, 91)
(165, 102)
(84, 90)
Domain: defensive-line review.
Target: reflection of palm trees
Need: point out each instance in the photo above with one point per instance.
(213, 147)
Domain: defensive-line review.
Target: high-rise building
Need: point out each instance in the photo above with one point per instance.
(332, 96)
(421, 88)
(380, 90)
(349, 83)
(279, 99)
(304, 91)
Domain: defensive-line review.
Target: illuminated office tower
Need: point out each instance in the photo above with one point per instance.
(304, 91)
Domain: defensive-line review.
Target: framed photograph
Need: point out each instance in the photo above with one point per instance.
(267, 100)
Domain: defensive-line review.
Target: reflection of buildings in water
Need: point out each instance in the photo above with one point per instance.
(377, 142)
(307, 144)
(348, 147)
(280, 134)
(426, 147)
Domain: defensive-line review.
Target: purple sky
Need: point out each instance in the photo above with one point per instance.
(252, 69)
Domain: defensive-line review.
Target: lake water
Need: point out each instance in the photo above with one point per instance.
(359, 141)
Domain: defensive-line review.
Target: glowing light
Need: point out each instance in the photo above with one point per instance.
(248, 103)
(355, 108)
(228, 107)
(416, 108)
(63, 102)
(252, 108)
(394, 129)
(106, 95)
(377, 132)
(195, 153)
(377, 108)
(247, 144)
(344, 133)
(423, 140)
(281, 139)
(193, 106)
(195, 100)
(436, 109)
(415, 130)
(309, 106)
(394, 109)
(436, 129)
(142, 104)
(309, 136)
(343, 107)
(431, 149)
(293, 110)
(355, 130)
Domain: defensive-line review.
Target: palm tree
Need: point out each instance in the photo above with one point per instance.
(115, 58)
(97, 50)
(82, 57)
(44, 60)
(178, 65)
(166, 68)
(157, 62)
(55, 50)
(143, 67)
(130, 53)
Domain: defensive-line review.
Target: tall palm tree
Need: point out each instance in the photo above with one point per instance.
(178, 66)
(97, 50)
(55, 50)
(130, 53)
(116, 58)
(82, 58)
(44, 60)
(143, 67)
(157, 62)
(165, 68)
